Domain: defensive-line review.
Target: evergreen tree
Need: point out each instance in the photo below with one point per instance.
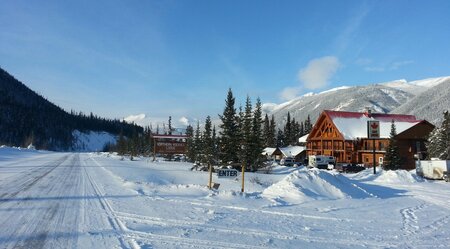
(302, 130)
(122, 145)
(266, 131)
(438, 144)
(308, 125)
(170, 125)
(272, 131)
(198, 143)
(190, 146)
(215, 141)
(280, 139)
(207, 142)
(246, 133)
(257, 142)
(288, 130)
(392, 158)
(229, 131)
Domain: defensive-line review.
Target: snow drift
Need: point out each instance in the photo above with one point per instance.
(313, 184)
(388, 176)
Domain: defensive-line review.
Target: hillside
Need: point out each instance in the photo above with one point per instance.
(429, 104)
(397, 96)
(26, 117)
(380, 98)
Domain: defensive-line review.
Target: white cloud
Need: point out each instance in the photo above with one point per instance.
(389, 67)
(289, 93)
(374, 69)
(396, 65)
(135, 118)
(317, 73)
(185, 121)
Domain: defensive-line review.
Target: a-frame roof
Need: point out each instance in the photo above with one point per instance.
(353, 125)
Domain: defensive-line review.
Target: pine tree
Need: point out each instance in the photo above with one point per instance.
(190, 146)
(273, 128)
(215, 141)
(170, 125)
(198, 143)
(266, 131)
(207, 142)
(280, 139)
(392, 158)
(229, 131)
(438, 144)
(257, 142)
(308, 125)
(288, 130)
(246, 133)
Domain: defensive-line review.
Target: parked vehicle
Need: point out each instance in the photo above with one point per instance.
(321, 162)
(288, 161)
(433, 169)
(352, 168)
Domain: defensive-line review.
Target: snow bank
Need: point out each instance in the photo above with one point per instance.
(92, 140)
(388, 176)
(16, 152)
(313, 184)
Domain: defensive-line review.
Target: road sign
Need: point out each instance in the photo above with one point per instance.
(227, 173)
(373, 129)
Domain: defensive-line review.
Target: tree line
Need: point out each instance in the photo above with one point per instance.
(242, 136)
(28, 118)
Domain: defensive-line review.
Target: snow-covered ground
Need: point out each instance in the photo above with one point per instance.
(90, 200)
(92, 140)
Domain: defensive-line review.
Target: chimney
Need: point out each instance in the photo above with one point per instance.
(368, 112)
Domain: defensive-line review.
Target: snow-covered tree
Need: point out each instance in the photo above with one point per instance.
(438, 144)
(392, 158)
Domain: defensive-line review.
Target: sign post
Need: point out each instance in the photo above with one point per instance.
(243, 178)
(373, 132)
(168, 144)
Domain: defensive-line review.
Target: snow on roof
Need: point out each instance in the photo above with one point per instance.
(268, 151)
(292, 151)
(303, 139)
(353, 125)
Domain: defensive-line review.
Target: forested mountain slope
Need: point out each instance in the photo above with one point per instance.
(26, 117)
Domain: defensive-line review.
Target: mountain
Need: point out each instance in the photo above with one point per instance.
(26, 117)
(397, 96)
(429, 104)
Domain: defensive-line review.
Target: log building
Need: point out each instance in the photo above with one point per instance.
(344, 136)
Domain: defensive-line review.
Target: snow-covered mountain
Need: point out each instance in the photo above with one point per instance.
(400, 95)
(429, 104)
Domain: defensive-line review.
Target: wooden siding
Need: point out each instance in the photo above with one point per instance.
(326, 139)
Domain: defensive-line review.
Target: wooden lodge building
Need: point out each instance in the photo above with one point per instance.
(344, 136)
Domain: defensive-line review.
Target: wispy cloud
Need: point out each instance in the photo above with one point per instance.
(318, 72)
(289, 93)
(315, 75)
(351, 28)
(398, 64)
(389, 67)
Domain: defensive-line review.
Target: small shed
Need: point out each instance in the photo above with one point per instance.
(296, 152)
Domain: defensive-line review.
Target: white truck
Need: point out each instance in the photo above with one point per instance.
(433, 169)
(321, 162)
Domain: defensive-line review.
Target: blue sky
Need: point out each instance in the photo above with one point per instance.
(178, 58)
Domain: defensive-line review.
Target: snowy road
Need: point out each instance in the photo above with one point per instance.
(54, 203)
(65, 200)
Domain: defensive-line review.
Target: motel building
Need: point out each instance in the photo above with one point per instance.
(344, 136)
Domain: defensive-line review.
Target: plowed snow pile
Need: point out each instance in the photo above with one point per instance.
(388, 176)
(308, 184)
